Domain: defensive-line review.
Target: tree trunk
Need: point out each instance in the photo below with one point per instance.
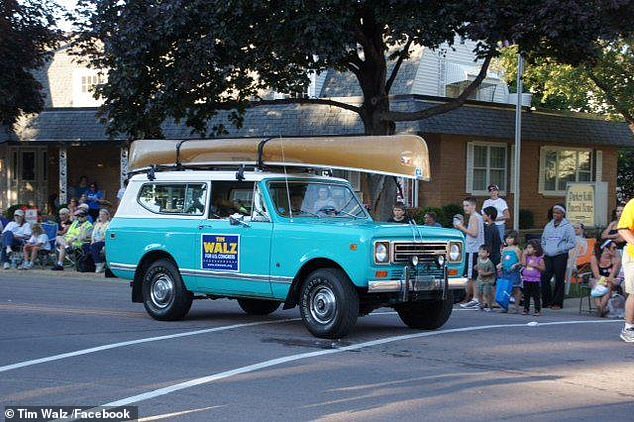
(382, 189)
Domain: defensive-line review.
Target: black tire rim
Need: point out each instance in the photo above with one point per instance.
(322, 305)
(162, 290)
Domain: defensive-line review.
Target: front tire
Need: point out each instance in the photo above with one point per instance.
(428, 315)
(258, 307)
(329, 303)
(164, 295)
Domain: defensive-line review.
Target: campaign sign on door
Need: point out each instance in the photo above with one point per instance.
(220, 252)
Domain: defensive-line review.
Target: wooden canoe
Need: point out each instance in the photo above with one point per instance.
(396, 155)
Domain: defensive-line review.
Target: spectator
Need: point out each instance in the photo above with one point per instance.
(52, 204)
(64, 221)
(14, 235)
(580, 249)
(85, 207)
(486, 278)
(78, 233)
(474, 234)
(611, 232)
(81, 189)
(511, 264)
(491, 234)
(606, 265)
(398, 214)
(431, 219)
(557, 240)
(72, 207)
(38, 241)
(502, 209)
(533, 262)
(626, 230)
(98, 240)
(94, 199)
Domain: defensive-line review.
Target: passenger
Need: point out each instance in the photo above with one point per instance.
(324, 202)
(431, 219)
(606, 265)
(78, 233)
(98, 240)
(14, 235)
(399, 214)
(38, 241)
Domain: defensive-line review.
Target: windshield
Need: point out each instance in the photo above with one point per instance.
(315, 199)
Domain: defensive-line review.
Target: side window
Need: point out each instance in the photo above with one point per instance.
(174, 198)
(231, 197)
(259, 212)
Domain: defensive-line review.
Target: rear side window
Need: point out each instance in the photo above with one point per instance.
(174, 198)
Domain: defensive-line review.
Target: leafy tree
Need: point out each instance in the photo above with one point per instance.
(188, 59)
(625, 176)
(27, 38)
(603, 84)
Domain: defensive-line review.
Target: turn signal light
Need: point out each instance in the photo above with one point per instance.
(452, 272)
(381, 274)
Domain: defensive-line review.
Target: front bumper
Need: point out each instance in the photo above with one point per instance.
(388, 286)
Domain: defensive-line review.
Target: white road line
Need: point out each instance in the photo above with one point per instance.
(292, 358)
(133, 342)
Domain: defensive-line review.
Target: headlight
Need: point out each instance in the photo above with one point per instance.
(455, 252)
(382, 253)
(440, 260)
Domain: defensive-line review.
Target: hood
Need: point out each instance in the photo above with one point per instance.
(405, 231)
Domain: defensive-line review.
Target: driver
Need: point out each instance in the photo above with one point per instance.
(324, 201)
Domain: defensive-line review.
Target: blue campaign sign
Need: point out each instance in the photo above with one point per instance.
(220, 252)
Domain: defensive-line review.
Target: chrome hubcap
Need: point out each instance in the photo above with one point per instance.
(162, 291)
(323, 305)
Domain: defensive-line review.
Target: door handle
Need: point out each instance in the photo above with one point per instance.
(205, 226)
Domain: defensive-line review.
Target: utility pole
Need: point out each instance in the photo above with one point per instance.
(518, 144)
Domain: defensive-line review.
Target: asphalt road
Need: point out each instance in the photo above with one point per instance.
(220, 364)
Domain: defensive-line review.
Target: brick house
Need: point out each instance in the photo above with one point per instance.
(469, 147)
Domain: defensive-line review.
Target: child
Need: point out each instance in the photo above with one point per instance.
(492, 234)
(486, 277)
(533, 262)
(39, 240)
(511, 265)
(474, 237)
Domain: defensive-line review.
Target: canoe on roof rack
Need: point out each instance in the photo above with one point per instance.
(395, 155)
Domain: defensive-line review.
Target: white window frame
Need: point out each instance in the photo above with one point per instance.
(542, 167)
(470, 157)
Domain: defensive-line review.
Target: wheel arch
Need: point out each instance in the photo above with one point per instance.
(144, 264)
(308, 267)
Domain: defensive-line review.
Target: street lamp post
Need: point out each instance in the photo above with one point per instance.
(518, 144)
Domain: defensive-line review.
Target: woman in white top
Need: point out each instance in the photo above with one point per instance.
(38, 241)
(98, 239)
(502, 208)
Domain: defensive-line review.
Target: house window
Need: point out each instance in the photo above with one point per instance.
(486, 165)
(561, 165)
(88, 83)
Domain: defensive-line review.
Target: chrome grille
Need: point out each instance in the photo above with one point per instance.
(426, 252)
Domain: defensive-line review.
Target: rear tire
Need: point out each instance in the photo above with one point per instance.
(329, 303)
(164, 295)
(258, 306)
(428, 315)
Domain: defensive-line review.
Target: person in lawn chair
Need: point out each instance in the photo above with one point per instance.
(78, 233)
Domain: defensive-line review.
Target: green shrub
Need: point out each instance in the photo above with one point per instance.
(527, 219)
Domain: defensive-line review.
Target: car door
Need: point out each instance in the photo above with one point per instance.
(234, 246)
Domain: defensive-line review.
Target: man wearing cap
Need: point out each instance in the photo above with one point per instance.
(557, 240)
(502, 208)
(78, 233)
(626, 230)
(13, 237)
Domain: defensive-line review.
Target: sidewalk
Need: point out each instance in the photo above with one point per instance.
(68, 273)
